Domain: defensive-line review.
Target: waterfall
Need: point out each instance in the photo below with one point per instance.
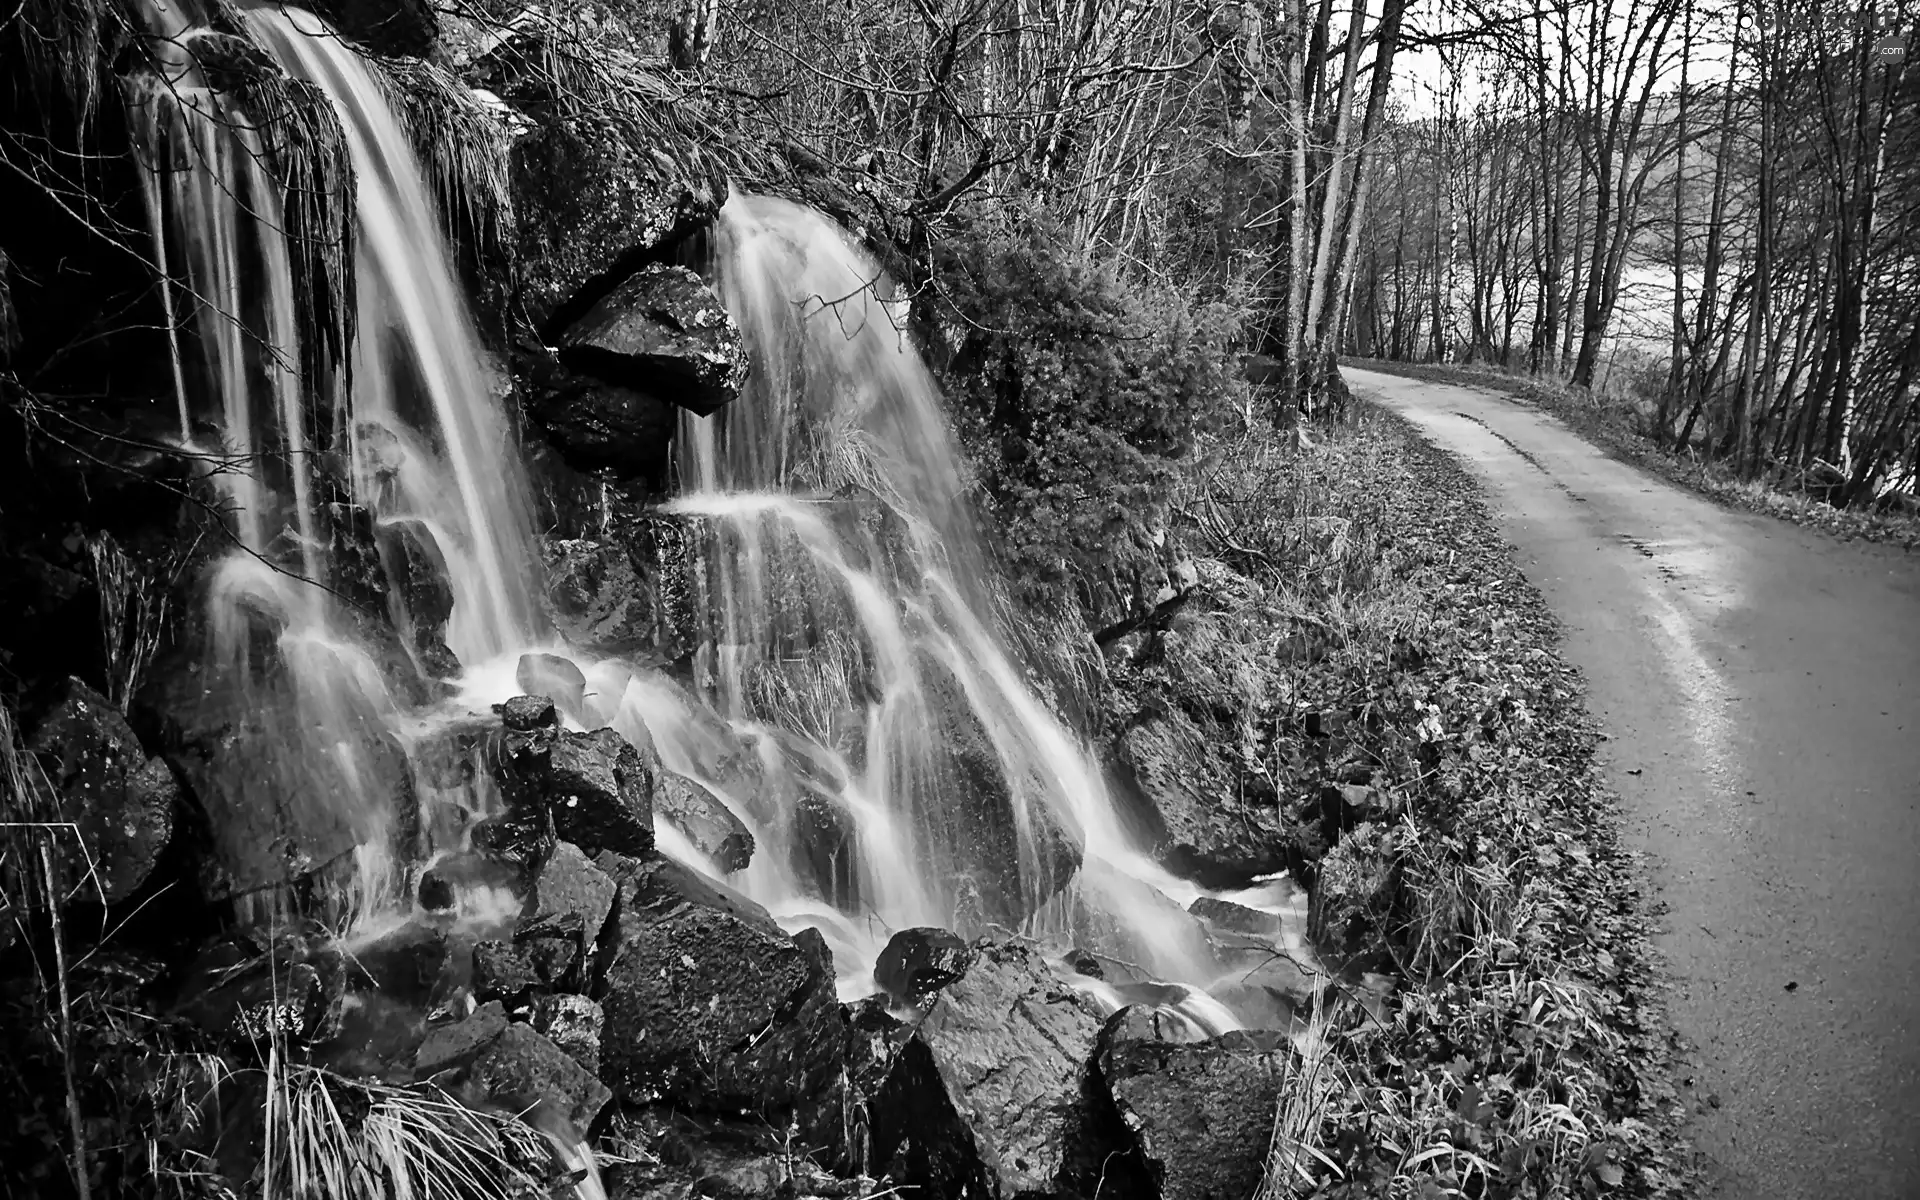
(854, 700)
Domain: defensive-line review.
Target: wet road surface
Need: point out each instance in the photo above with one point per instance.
(1761, 687)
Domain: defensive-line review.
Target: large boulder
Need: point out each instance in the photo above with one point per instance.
(987, 1098)
(596, 196)
(708, 1002)
(1204, 828)
(661, 332)
(705, 820)
(120, 802)
(1200, 1114)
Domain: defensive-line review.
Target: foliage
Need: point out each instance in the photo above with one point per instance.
(1080, 396)
(1520, 1050)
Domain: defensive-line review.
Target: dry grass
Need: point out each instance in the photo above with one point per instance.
(331, 1138)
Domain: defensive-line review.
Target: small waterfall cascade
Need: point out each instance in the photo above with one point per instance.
(854, 702)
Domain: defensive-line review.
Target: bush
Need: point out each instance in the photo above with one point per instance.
(1079, 394)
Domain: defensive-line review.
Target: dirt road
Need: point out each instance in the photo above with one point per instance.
(1761, 687)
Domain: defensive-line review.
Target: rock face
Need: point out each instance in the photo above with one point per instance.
(707, 822)
(1206, 833)
(120, 801)
(1200, 1113)
(662, 333)
(600, 600)
(511, 1065)
(598, 426)
(987, 1098)
(919, 962)
(708, 1002)
(592, 198)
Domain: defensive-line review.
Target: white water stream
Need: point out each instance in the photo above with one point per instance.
(852, 659)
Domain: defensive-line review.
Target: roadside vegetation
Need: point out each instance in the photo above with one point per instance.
(1500, 1033)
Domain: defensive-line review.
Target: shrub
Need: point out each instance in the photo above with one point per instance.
(1079, 394)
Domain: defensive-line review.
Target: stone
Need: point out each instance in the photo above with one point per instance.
(572, 1023)
(599, 792)
(918, 962)
(603, 429)
(503, 972)
(662, 332)
(405, 963)
(708, 1002)
(454, 1045)
(244, 991)
(384, 26)
(555, 677)
(1237, 918)
(120, 802)
(568, 885)
(528, 714)
(1205, 830)
(511, 1065)
(987, 1097)
(705, 820)
(596, 199)
(435, 892)
(518, 840)
(600, 600)
(1200, 1113)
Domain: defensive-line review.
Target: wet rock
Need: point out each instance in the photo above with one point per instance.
(435, 892)
(528, 714)
(569, 886)
(1350, 907)
(1237, 918)
(602, 429)
(511, 1065)
(453, 1045)
(1200, 1113)
(708, 1002)
(519, 839)
(987, 1097)
(411, 558)
(555, 677)
(243, 992)
(1206, 832)
(406, 963)
(1011, 872)
(706, 821)
(598, 597)
(599, 791)
(384, 26)
(503, 972)
(572, 1023)
(277, 799)
(919, 962)
(662, 332)
(120, 801)
(595, 198)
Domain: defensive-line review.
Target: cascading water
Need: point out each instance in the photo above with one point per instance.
(854, 702)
